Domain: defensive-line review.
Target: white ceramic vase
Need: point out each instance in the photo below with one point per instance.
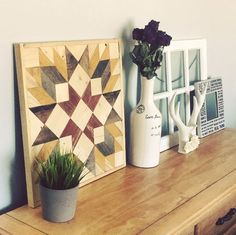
(145, 124)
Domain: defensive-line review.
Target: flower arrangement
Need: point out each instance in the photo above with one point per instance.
(148, 53)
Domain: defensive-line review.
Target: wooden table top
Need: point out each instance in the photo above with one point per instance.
(135, 200)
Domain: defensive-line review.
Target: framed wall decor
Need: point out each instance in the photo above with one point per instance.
(211, 118)
(71, 97)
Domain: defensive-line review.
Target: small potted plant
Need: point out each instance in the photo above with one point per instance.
(59, 178)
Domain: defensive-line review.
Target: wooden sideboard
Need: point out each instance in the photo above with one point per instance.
(185, 194)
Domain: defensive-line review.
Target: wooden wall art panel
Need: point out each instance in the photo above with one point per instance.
(71, 97)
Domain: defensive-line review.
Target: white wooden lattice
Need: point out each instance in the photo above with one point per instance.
(184, 46)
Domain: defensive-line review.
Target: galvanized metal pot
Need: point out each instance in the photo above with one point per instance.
(58, 205)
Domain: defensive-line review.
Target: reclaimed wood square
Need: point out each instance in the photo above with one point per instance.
(71, 97)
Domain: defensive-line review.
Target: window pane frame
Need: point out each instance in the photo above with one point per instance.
(171, 140)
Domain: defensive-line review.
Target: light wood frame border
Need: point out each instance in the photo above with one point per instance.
(18, 47)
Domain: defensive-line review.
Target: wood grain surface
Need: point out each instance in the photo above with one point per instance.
(10, 225)
(167, 199)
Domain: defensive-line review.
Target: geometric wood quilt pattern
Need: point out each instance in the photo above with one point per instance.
(71, 97)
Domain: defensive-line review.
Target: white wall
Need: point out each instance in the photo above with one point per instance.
(50, 20)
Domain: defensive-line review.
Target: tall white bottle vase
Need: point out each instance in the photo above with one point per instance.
(145, 129)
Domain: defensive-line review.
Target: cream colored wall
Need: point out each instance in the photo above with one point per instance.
(50, 20)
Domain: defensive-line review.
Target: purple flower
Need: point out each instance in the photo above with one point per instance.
(138, 34)
(153, 25)
(148, 53)
(149, 35)
(163, 39)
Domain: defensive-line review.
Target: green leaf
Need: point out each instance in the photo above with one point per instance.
(60, 171)
(147, 59)
(144, 50)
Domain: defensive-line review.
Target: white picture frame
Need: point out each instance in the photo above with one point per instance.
(170, 138)
(211, 118)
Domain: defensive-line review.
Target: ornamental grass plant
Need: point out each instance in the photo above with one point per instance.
(60, 171)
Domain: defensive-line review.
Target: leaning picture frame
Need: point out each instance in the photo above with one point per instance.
(184, 63)
(211, 117)
(71, 97)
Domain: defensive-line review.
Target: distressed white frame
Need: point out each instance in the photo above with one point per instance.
(184, 45)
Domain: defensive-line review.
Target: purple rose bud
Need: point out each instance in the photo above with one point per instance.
(168, 39)
(153, 25)
(138, 34)
(163, 39)
(149, 35)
